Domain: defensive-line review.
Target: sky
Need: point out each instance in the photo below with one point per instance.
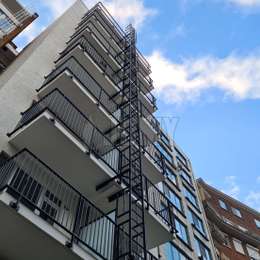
(205, 58)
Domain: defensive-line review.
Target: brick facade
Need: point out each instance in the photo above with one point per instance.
(226, 226)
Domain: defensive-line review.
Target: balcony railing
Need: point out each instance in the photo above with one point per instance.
(153, 152)
(113, 28)
(118, 55)
(115, 76)
(95, 56)
(88, 82)
(34, 184)
(103, 97)
(150, 117)
(159, 203)
(76, 122)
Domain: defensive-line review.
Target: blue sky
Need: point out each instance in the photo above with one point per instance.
(205, 56)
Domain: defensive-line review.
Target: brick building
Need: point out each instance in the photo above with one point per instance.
(235, 227)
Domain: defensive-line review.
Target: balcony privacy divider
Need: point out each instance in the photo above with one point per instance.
(34, 184)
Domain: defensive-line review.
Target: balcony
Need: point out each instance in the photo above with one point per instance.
(75, 82)
(112, 30)
(19, 19)
(36, 201)
(98, 63)
(83, 89)
(69, 141)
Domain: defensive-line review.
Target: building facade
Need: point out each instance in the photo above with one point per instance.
(86, 171)
(235, 228)
(14, 18)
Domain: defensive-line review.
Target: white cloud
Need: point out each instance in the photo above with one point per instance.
(236, 76)
(232, 189)
(253, 200)
(125, 11)
(245, 3)
(129, 11)
(258, 179)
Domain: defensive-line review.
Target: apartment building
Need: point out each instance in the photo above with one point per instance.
(86, 171)
(14, 18)
(235, 227)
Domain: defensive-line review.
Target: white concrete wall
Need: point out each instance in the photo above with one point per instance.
(19, 81)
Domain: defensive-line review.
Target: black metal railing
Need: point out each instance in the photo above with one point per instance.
(95, 56)
(113, 28)
(153, 152)
(116, 76)
(75, 121)
(73, 66)
(34, 184)
(150, 117)
(118, 55)
(159, 203)
(88, 82)
(42, 190)
(106, 44)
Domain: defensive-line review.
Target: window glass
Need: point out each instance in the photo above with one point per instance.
(181, 158)
(226, 241)
(171, 175)
(253, 252)
(238, 246)
(257, 222)
(202, 251)
(176, 201)
(5, 22)
(172, 252)
(182, 231)
(186, 177)
(222, 204)
(190, 196)
(236, 212)
(164, 152)
(196, 221)
(165, 139)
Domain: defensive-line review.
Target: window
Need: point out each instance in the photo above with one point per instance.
(25, 185)
(257, 222)
(191, 197)
(171, 176)
(222, 204)
(186, 177)
(167, 156)
(5, 22)
(253, 252)
(238, 246)
(165, 139)
(226, 240)
(182, 231)
(176, 201)
(181, 158)
(202, 251)
(50, 206)
(236, 212)
(172, 252)
(196, 221)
